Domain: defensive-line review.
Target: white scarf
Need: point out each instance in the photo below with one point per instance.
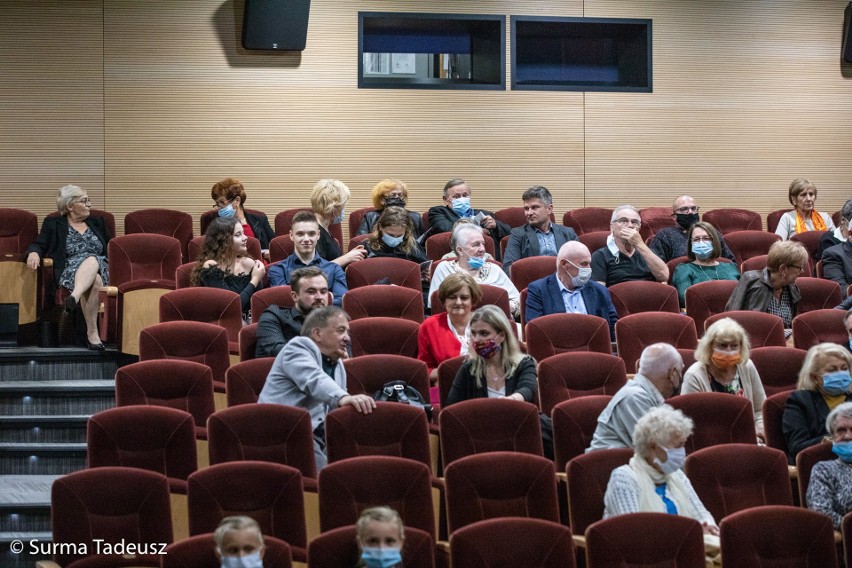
(648, 477)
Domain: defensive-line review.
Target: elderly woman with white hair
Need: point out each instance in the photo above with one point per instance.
(830, 488)
(722, 364)
(469, 245)
(77, 243)
(823, 385)
(653, 481)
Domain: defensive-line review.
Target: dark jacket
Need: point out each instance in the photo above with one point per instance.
(544, 298)
(803, 422)
(275, 327)
(261, 228)
(837, 265)
(442, 219)
(523, 380)
(523, 242)
(53, 239)
(754, 291)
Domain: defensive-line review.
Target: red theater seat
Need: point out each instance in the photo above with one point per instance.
(572, 375)
(169, 222)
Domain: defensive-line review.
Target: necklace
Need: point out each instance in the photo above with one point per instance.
(704, 270)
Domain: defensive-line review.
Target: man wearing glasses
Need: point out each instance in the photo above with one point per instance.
(670, 243)
(626, 256)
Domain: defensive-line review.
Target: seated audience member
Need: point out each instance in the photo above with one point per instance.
(802, 195)
(393, 235)
(380, 535)
(277, 325)
(308, 373)
(618, 261)
(823, 385)
(654, 481)
(239, 542)
(456, 206)
(837, 257)
(328, 201)
(703, 251)
(224, 262)
(570, 289)
(229, 196)
(671, 242)
(305, 232)
(830, 488)
(722, 364)
(773, 290)
(389, 193)
(838, 236)
(495, 366)
(76, 241)
(444, 336)
(540, 236)
(451, 254)
(470, 247)
(660, 377)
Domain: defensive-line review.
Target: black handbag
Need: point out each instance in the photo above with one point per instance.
(400, 391)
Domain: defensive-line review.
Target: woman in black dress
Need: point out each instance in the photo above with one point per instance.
(224, 262)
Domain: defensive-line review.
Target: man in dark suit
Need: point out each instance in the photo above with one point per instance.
(540, 236)
(456, 205)
(837, 265)
(570, 289)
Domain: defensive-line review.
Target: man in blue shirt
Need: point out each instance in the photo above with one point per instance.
(540, 236)
(305, 233)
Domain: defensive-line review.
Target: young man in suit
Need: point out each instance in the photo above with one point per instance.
(570, 289)
(540, 236)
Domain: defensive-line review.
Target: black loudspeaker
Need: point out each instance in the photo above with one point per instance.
(279, 25)
(846, 52)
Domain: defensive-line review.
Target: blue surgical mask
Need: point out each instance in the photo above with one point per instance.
(836, 383)
(843, 450)
(392, 242)
(375, 557)
(227, 211)
(675, 458)
(584, 274)
(702, 249)
(475, 262)
(339, 219)
(252, 560)
(461, 205)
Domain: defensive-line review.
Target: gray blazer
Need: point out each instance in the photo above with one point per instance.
(523, 242)
(297, 379)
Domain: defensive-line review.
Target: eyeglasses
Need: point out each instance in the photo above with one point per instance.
(84, 201)
(693, 209)
(626, 221)
(799, 268)
(702, 240)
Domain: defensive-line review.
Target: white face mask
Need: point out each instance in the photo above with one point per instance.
(252, 560)
(675, 458)
(583, 276)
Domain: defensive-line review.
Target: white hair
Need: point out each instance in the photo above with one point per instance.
(658, 360)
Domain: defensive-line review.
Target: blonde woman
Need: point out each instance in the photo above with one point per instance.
(328, 201)
(495, 366)
(722, 364)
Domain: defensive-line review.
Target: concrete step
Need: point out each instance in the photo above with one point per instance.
(41, 458)
(24, 516)
(44, 428)
(56, 398)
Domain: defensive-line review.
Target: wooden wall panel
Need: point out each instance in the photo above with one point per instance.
(747, 96)
(147, 104)
(51, 101)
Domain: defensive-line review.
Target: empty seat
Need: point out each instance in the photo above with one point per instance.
(189, 340)
(208, 305)
(706, 299)
(817, 294)
(245, 380)
(535, 542)
(819, 326)
(248, 342)
(384, 301)
(559, 333)
(169, 222)
(638, 296)
(778, 367)
(637, 331)
(368, 373)
(19, 229)
(763, 329)
(526, 270)
(588, 219)
(523, 485)
(746, 244)
(719, 418)
(383, 335)
(280, 296)
(574, 423)
(572, 375)
(728, 220)
(384, 270)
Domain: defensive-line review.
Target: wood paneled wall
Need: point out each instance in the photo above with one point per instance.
(147, 104)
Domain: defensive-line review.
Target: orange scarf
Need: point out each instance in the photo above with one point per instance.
(816, 219)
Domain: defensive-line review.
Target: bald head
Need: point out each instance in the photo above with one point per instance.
(658, 363)
(572, 256)
(681, 202)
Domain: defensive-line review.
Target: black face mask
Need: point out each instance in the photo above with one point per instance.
(686, 220)
(395, 202)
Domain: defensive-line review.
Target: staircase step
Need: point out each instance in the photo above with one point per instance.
(44, 429)
(56, 398)
(41, 459)
(25, 507)
(38, 364)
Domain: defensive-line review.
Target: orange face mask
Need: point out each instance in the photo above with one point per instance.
(725, 359)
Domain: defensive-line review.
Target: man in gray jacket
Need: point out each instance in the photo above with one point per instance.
(309, 373)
